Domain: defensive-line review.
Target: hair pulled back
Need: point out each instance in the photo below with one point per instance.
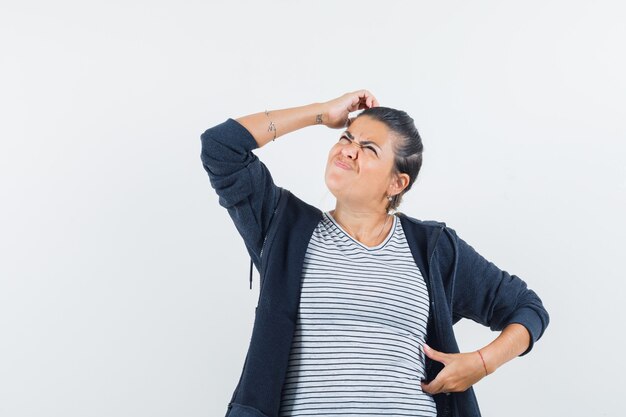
(407, 146)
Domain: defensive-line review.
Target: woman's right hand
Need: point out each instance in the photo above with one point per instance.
(338, 110)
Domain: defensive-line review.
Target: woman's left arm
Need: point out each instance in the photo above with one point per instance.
(494, 298)
(462, 370)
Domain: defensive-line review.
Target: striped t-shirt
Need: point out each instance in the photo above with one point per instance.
(357, 347)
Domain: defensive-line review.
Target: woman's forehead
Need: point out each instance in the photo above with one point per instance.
(365, 128)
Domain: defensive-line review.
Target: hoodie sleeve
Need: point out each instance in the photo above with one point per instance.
(488, 295)
(243, 183)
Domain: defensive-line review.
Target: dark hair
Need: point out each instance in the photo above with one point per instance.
(408, 147)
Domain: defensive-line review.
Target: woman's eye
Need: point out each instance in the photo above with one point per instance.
(344, 137)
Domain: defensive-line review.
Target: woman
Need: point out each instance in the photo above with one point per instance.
(357, 304)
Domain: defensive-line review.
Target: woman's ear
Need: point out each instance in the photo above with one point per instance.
(399, 183)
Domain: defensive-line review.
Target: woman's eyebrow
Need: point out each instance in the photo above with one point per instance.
(363, 142)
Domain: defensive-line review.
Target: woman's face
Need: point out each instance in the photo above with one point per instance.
(362, 176)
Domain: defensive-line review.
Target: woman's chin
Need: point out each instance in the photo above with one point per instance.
(334, 184)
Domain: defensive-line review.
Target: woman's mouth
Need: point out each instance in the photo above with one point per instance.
(342, 165)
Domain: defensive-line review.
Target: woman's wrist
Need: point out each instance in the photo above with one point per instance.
(482, 359)
(318, 113)
(511, 342)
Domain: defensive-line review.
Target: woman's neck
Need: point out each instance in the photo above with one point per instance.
(367, 226)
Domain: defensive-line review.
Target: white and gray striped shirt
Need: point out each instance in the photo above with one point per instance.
(357, 347)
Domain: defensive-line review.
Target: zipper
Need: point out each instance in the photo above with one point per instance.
(432, 302)
(261, 253)
(266, 235)
(432, 313)
(271, 227)
(446, 406)
(264, 240)
(280, 197)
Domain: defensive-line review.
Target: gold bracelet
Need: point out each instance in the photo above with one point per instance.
(272, 126)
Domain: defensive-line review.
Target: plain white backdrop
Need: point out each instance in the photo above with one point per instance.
(123, 283)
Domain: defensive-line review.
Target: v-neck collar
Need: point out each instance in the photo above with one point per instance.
(369, 248)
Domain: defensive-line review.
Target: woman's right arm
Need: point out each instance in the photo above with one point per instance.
(242, 181)
(333, 113)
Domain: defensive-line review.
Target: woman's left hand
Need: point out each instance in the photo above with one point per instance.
(461, 371)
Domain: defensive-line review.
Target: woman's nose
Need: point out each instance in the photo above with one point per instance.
(351, 151)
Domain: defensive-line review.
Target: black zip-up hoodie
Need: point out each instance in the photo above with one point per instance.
(276, 227)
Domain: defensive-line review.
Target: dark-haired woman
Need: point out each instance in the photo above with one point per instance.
(356, 304)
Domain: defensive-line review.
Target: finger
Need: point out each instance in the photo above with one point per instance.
(433, 387)
(373, 102)
(368, 98)
(356, 103)
(435, 354)
(364, 96)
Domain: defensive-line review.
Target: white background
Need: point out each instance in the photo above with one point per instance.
(123, 283)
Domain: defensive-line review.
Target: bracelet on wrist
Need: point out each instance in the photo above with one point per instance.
(483, 360)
